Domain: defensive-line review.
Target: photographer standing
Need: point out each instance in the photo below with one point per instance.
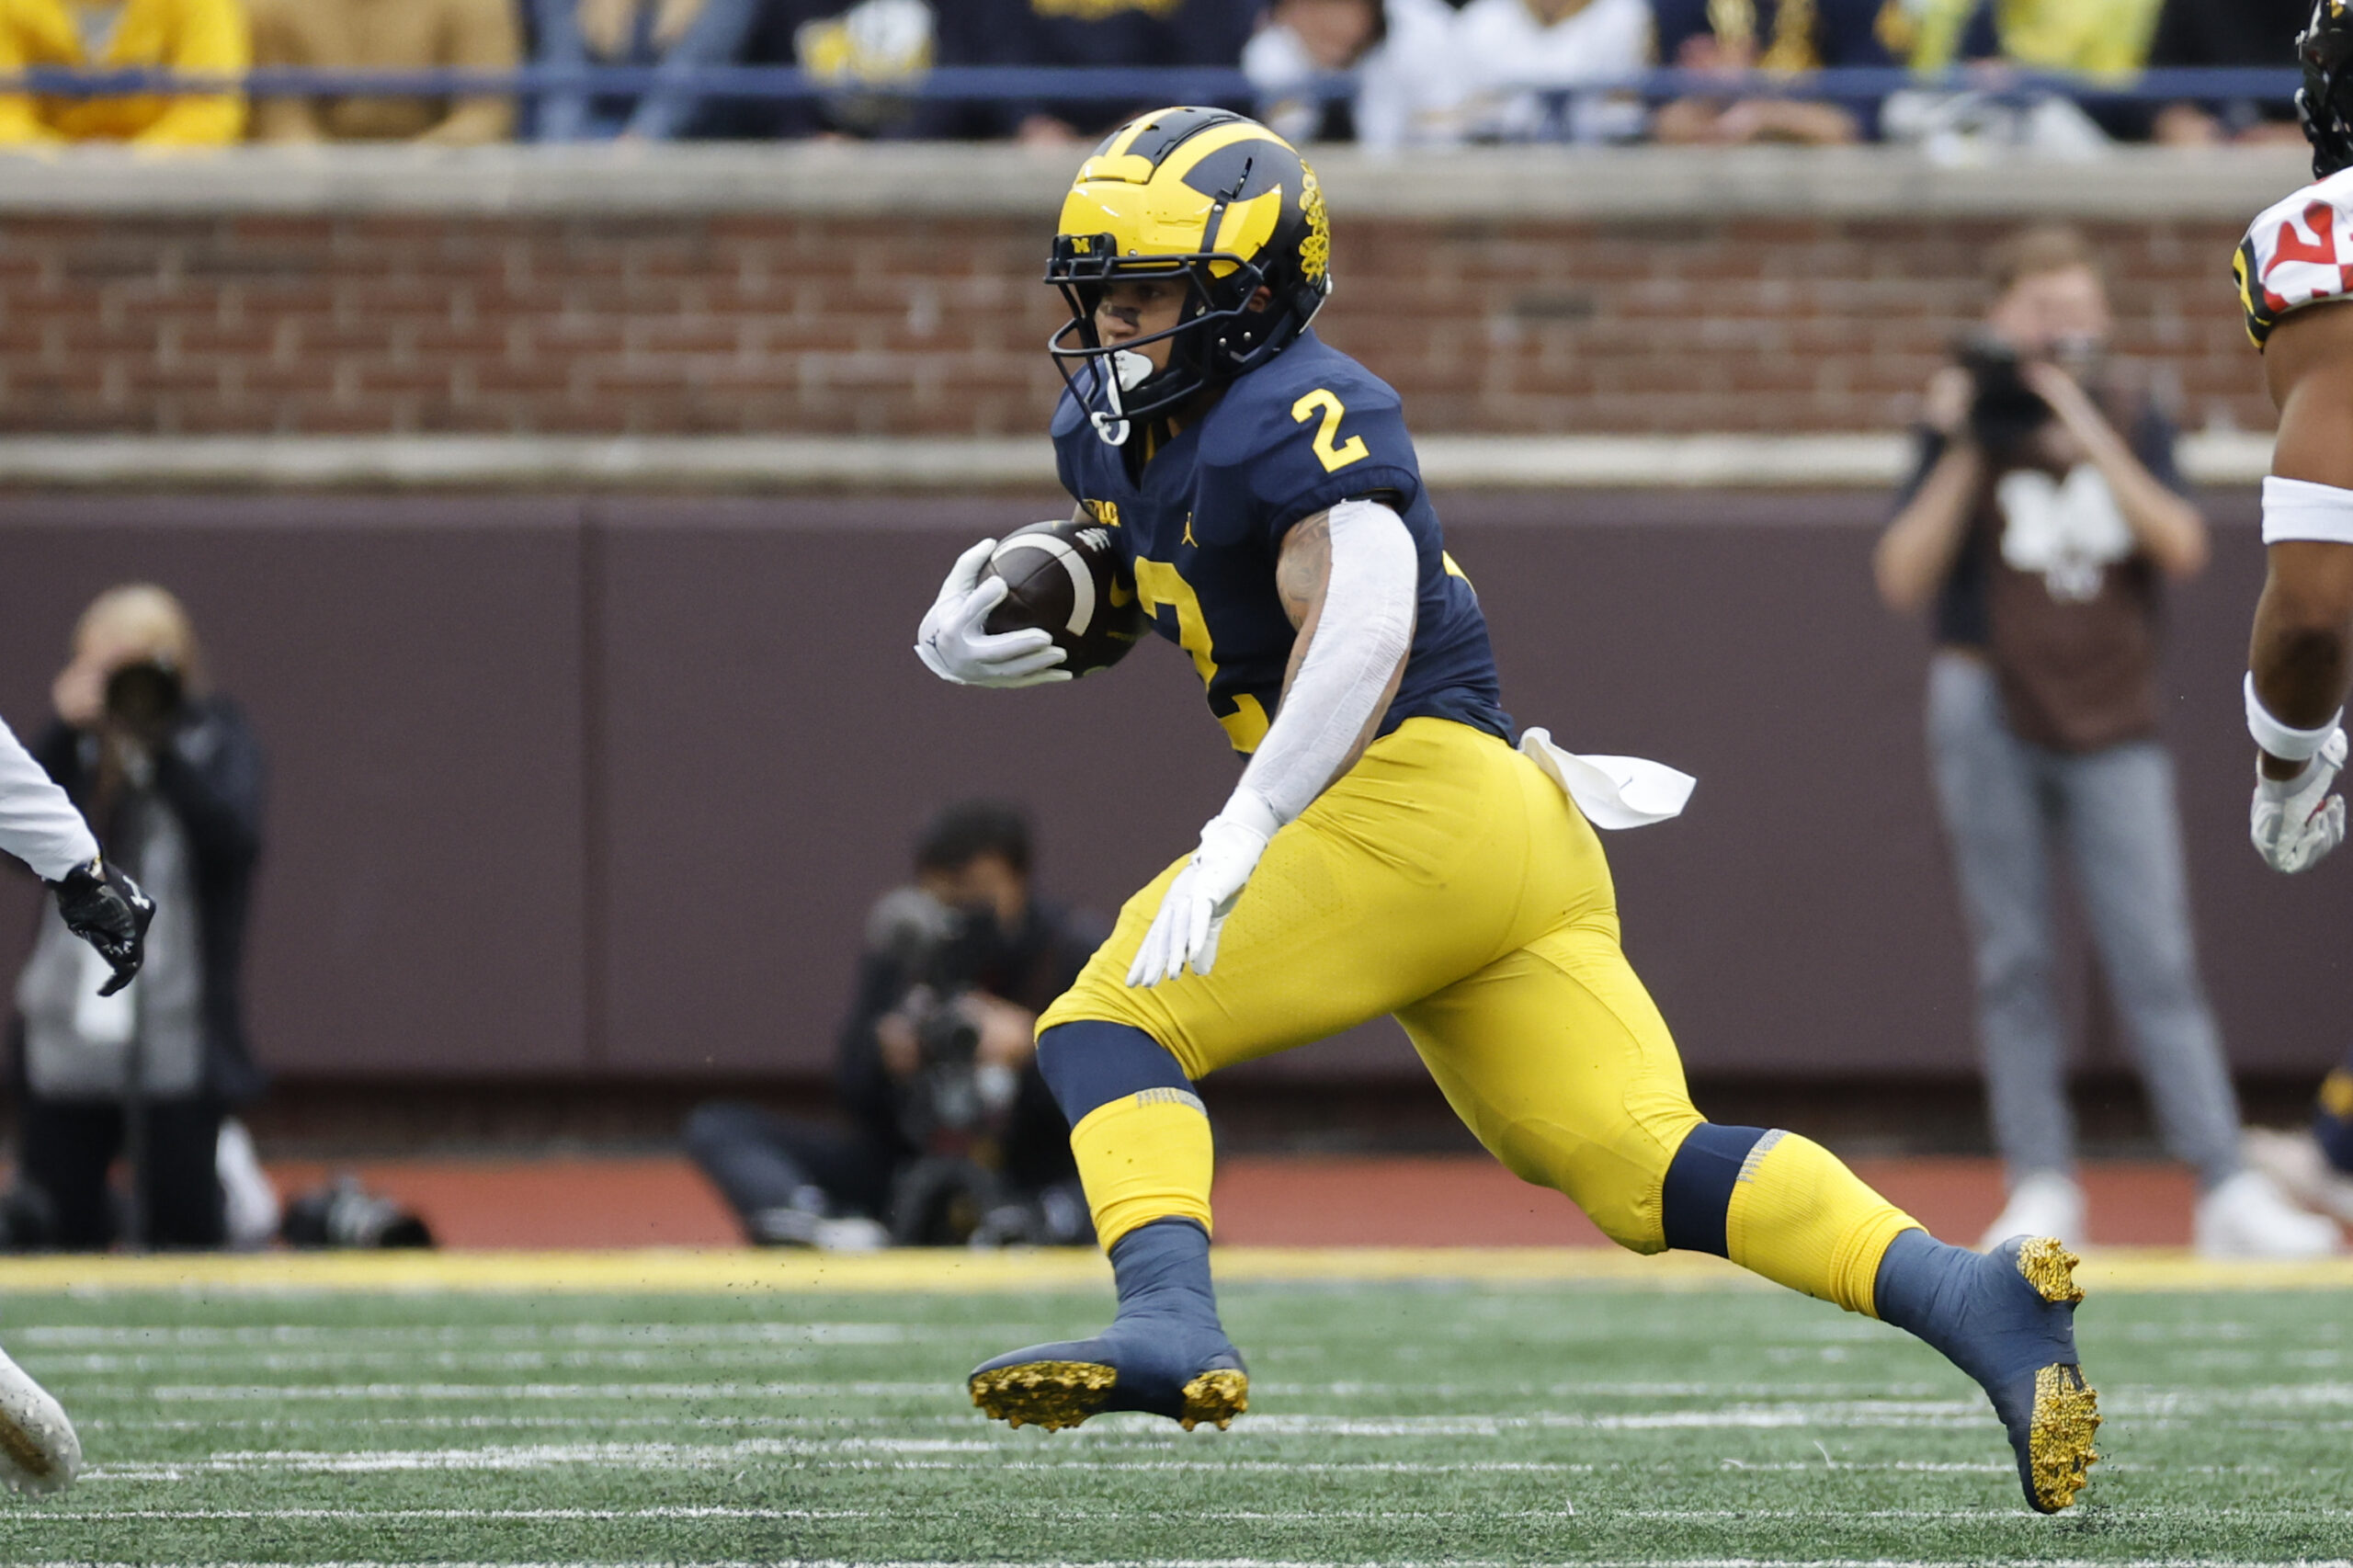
(953, 1136)
(2044, 512)
(172, 777)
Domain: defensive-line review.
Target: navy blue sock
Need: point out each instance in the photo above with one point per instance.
(1697, 1195)
(1917, 1278)
(1163, 1270)
(1091, 1063)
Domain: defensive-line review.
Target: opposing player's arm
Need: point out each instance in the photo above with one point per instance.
(2298, 663)
(2301, 651)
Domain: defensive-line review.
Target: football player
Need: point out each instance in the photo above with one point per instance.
(2296, 258)
(38, 1451)
(1387, 851)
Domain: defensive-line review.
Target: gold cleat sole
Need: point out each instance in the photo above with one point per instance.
(2049, 1268)
(1053, 1394)
(2059, 1446)
(2066, 1408)
(1217, 1397)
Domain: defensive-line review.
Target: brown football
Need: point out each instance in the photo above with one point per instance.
(1067, 578)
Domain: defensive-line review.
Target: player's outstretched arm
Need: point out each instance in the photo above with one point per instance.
(954, 645)
(2300, 658)
(1349, 578)
(39, 826)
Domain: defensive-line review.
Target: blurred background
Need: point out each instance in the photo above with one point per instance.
(553, 419)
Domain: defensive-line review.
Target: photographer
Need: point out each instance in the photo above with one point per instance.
(171, 777)
(954, 1137)
(2044, 511)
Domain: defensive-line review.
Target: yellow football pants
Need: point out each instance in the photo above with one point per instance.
(1448, 881)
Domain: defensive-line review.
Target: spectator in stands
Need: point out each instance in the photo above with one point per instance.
(865, 53)
(171, 775)
(206, 36)
(1399, 51)
(953, 1126)
(2101, 38)
(386, 35)
(1503, 47)
(2043, 513)
(2229, 32)
(1779, 37)
(2104, 40)
(675, 36)
(1057, 32)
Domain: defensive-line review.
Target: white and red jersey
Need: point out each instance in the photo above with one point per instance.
(2299, 253)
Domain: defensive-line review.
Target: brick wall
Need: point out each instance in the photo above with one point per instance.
(769, 323)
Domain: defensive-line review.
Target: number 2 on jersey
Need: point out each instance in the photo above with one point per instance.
(1334, 457)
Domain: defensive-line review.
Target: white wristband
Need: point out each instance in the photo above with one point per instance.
(2282, 741)
(2299, 509)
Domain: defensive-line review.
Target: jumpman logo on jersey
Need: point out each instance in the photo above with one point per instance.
(1188, 532)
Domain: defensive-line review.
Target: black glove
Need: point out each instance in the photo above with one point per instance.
(105, 909)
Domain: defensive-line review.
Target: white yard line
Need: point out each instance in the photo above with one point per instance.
(670, 1562)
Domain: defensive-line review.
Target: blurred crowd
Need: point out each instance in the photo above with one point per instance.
(1384, 73)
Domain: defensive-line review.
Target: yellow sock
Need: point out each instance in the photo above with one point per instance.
(1142, 1157)
(1802, 1218)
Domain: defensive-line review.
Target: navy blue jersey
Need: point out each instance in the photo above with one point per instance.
(1204, 527)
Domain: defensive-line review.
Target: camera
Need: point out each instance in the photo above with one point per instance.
(145, 697)
(2002, 410)
(955, 1108)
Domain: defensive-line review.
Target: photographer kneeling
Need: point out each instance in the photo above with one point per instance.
(2044, 514)
(954, 1136)
(171, 775)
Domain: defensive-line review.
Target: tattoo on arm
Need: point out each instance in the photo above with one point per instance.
(1304, 568)
(1301, 573)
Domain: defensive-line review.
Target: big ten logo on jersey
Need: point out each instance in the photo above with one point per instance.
(1104, 512)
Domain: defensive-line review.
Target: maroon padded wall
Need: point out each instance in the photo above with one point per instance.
(604, 787)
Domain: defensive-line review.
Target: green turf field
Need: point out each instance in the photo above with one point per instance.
(1505, 1422)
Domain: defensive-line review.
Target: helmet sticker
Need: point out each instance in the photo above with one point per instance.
(1316, 247)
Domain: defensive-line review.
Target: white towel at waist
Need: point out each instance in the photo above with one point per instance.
(1612, 791)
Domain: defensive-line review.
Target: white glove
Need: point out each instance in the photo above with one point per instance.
(1193, 912)
(953, 647)
(2295, 822)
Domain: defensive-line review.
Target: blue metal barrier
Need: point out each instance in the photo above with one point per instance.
(1114, 84)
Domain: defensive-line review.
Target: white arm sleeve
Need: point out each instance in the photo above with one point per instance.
(37, 824)
(1362, 635)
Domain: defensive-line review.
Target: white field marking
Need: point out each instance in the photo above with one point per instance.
(2298, 1513)
(1276, 1563)
(670, 1359)
(456, 1516)
(236, 1393)
(1360, 1389)
(533, 1456)
(611, 1515)
(77, 1335)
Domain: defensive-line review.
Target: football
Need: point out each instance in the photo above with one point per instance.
(1066, 577)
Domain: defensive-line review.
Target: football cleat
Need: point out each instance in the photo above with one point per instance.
(39, 1451)
(2014, 1331)
(2007, 1318)
(1156, 1365)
